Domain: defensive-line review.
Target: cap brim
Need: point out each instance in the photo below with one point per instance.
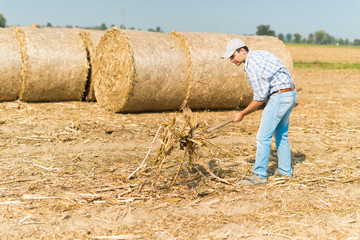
(228, 54)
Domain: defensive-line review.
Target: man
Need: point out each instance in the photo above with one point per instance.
(271, 82)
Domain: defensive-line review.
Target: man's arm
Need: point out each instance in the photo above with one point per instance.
(253, 105)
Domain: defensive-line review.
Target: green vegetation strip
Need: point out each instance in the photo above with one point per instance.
(321, 45)
(327, 65)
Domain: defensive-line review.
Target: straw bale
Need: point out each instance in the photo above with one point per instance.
(10, 65)
(91, 39)
(95, 37)
(54, 66)
(140, 71)
(215, 82)
(190, 70)
(32, 26)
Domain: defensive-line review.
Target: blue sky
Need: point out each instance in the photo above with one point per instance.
(338, 18)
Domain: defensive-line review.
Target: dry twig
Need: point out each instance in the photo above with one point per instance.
(185, 138)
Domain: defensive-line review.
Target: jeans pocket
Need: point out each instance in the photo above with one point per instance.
(285, 105)
(287, 100)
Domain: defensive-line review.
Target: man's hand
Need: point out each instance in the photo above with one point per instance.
(238, 117)
(249, 109)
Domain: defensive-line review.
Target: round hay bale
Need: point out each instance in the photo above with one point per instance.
(54, 66)
(91, 39)
(140, 71)
(95, 37)
(215, 83)
(10, 65)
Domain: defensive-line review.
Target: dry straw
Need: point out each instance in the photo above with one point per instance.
(10, 65)
(190, 70)
(140, 71)
(54, 64)
(189, 137)
(215, 82)
(91, 39)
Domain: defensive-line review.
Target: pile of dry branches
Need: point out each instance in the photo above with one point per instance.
(189, 138)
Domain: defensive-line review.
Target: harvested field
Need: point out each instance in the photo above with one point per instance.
(64, 169)
(313, 53)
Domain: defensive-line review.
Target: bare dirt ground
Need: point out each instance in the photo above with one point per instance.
(64, 169)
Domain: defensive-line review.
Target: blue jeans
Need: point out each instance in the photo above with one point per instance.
(275, 122)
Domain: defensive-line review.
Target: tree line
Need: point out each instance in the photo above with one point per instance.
(318, 37)
(100, 27)
(104, 27)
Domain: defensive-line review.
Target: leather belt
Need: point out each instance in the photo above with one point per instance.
(284, 90)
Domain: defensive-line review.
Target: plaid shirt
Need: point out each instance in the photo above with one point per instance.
(266, 74)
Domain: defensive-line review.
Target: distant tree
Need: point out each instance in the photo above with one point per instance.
(356, 42)
(297, 38)
(2, 21)
(347, 42)
(264, 30)
(103, 26)
(49, 25)
(341, 41)
(69, 26)
(330, 39)
(112, 25)
(157, 29)
(281, 37)
(320, 37)
(122, 26)
(289, 37)
(310, 39)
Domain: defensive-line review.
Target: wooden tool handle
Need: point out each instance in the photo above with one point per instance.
(219, 125)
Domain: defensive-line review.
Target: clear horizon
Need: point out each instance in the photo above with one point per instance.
(233, 17)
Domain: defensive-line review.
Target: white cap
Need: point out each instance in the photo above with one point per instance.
(231, 47)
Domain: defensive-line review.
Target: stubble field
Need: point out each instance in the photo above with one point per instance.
(64, 169)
